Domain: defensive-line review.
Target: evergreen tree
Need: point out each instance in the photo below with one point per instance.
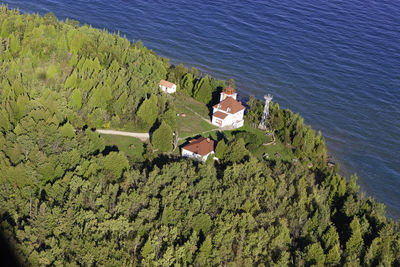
(203, 90)
(148, 111)
(220, 149)
(76, 98)
(236, 151)
(187, 84)
(162, 138)
(116, 163)
(355, 244)
(67, 130)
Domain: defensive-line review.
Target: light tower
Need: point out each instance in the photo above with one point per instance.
(228, 92)
(263, 122)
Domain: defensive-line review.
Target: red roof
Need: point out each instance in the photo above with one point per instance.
(220, 115)
(201, 146)
(166, 83)
(230, 105)
(229, 91)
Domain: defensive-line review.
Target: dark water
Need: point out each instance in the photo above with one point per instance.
(335, 62)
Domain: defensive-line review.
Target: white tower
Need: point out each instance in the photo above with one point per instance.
(228, 92)
(263, 122)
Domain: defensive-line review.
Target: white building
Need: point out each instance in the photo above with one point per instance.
(229, 112)
(199, 148)
(167, 87)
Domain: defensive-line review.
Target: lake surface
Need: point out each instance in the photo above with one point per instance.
(335, 62)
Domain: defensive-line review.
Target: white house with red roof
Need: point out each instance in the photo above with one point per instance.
(229, 111)
(167, 87)
(199, 148)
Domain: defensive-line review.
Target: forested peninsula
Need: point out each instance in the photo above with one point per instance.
(70, 196)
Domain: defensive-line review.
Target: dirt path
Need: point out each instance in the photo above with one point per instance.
(142, 136)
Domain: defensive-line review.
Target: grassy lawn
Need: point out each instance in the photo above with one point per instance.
(192, 103)
(247, 128)
(132, 147)
(275, 151)
(192, 124)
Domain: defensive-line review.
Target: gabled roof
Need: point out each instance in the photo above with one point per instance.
(220, 115)
(201, 146)
(166, 83)
(229, 91)
(230, 105)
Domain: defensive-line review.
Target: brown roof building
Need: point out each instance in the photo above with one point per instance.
(229, 112)
(200, 146)
(166, 83)
(229, 105)
(167, 87)
(220, 115)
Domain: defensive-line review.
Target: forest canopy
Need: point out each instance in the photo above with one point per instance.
(67, 198)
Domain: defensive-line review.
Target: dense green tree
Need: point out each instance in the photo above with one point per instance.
(162, 138)
(67, 130)
(203, 90)
(255, 111)
(116, 163)
(354, 245)
(187, 84)
(169, 117)
(220, 149)
(236, 151)
(148, 111)
(76, 98)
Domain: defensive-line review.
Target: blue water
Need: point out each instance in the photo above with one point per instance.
(335, 62)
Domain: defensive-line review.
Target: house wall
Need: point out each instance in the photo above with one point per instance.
(216, 121)
(235, 120)
(238, 115)
(223, 96)
(169, 90)
(224, 122)
(189, 154)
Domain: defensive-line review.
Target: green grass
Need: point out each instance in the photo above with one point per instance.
(131, 146)
(247, 128)
(192, 124)
(276, 151)
(195, 105)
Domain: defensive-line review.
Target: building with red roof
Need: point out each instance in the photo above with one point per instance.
(167, 87)
(199, 148)
(229, 111)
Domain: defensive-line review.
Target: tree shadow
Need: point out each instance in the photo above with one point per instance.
(164, 159)
(215, 100)
(7, 253)
(108, 149)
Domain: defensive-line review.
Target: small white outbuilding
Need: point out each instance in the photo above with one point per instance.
(167, 87)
